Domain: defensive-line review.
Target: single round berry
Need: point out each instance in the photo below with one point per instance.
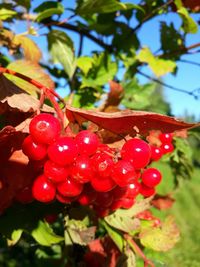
(151, 177)
(44, 128)
(82, 170)
(129, 191)
(64, 200)
(147, 191)
(137, 151)
(167, 148)
(102, 164)
(123, 172)
(55, 172)
(70, 188)
(43, 190)
(51, 218)
(102, 184)
(87, 142)
(24, 195)
(125, 203)
(32, 150)
(166, 137)
(63, 151)
(156, 153)
(87, 196)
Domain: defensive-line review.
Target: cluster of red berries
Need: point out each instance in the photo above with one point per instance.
(85, 170)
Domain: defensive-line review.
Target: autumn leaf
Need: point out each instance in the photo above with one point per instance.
(128, 121)
(160, 239)
(14, 98)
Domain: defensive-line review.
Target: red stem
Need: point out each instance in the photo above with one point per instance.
(50, 93)
(31, 81)
(138, 251)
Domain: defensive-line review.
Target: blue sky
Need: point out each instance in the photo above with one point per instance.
(188, 76)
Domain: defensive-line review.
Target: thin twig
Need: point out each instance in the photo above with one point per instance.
(191, 93)
(138, 251)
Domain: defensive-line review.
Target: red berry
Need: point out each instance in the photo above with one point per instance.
(125, 203)
(129, 191)
(137, 151)
(70, 188)
(102, 164)
(43, 190)
(156, 153)
(82, 170)
(45, 128)
(102, 184)
(87, 196)
(151, 177)
(147, 191)
(123, 173)
(64, 200)
(63, 151)
(87, 142)
(51, 218)
(167, 148)
(32, 150)
(55, 172)
(166, 137)
(25, 196)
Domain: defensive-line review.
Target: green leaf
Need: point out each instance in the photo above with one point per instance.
(102, 6)
(24, 3)
(6, 14)
(84, 98)
(44, 234)
(122, 223)
(15, 237)
(85, 64)
(138, 207)
(48, 9)
(157, 65)
(189, 25)
(62, 50)
(127, 259)
(32, 70)
(114, 235)
(137, 96)
(171, 40)
(160, 239)
(103, 70)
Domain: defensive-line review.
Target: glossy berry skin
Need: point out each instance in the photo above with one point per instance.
(129, 191)
(63, 199)
(166, 137)
(102, 164)
(123, 173)
(32, 150)
(44, 128)
(55, 172)
(137, 151)
(63, 151)
(167, 148)
(87, 142)
(43, 190)
(151, 177)
(125, 203)
(25, 196)
(147, 191)
(70, 188)
(156, 153)
(102, 184)
(82, 170)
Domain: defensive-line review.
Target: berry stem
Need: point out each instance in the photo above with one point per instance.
(31, 81)
(138, 251)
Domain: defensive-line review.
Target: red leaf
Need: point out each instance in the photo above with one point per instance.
(163, 202)
(128, 121)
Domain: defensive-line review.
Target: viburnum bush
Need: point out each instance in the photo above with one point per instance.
(82, 180)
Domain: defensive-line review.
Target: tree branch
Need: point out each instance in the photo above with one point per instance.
(195, 93)
(83, 32)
